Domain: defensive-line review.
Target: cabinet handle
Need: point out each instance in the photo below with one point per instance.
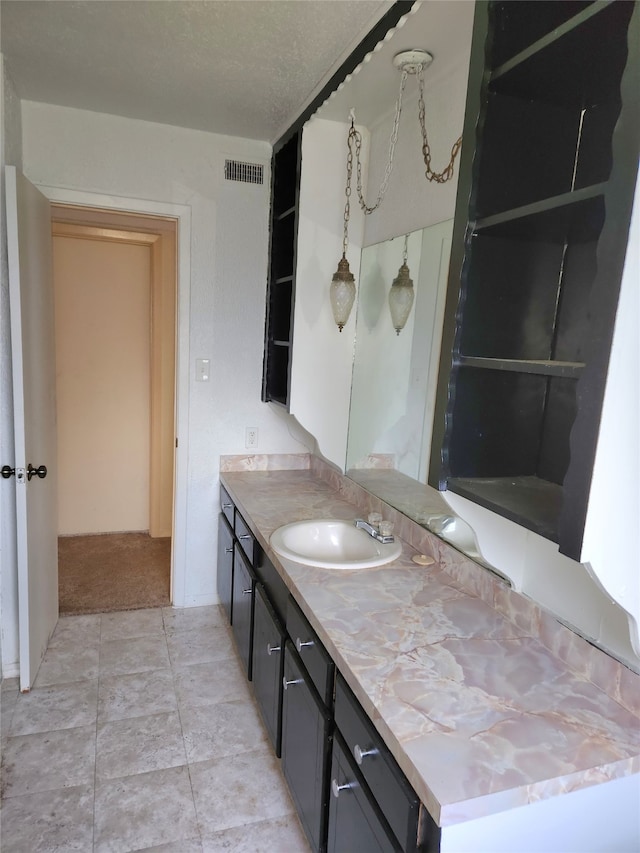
(227, 506)
(286, 683)
(244, 536)
(228, 550)
(271, 649)
(359, 754)
(300, 645)
(247, 591)
(335, 788)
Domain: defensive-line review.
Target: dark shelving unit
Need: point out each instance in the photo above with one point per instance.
(541, 228)
(285, 188)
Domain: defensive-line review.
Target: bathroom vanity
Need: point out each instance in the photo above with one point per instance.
(419, 708)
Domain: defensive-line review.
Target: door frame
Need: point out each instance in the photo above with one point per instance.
(182, 214)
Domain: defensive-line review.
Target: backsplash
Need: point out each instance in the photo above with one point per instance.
(585, 659)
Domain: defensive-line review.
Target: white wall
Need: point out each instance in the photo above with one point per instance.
(80, 150)
(322, 355)
(611, 545)
(11, 153)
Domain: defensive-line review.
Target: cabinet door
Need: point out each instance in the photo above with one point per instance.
(225, 565)
(243, 588)
(268, 665)
(355, 823)
(306, 741)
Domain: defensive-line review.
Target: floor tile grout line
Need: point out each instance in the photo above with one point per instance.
(95, 756)
(184, 746)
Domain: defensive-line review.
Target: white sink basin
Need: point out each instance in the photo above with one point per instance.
(331, 543)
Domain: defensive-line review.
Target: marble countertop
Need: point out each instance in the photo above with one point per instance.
(479, 714)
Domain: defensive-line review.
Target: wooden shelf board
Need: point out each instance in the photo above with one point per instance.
(280, 216)
(544, 206)
(544, 42)
(528, 500)
(563, 369)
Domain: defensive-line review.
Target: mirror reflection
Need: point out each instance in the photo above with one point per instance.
(394, 381)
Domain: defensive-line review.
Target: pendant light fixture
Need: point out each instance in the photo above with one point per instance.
(401, 294)
(343, 287)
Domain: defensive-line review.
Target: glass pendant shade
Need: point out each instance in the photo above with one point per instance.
(401, 298)
(342, 293)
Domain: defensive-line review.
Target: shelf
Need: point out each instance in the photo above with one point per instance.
(281, 343)
(527, 24)
(285, 213)
(587, 53)
(284, 279)
(530, 501)
(550, 218)
(563, 369)
(558, 32)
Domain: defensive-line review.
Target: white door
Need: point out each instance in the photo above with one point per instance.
(34, 375)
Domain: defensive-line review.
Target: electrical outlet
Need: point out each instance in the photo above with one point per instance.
(251, 438)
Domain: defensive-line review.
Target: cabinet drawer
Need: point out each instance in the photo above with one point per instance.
(244, 582)
(245, 539)
(313, 654)
(306, 748)
(355, 822)
(389, 786)
(226, 506)
(225, 565)
(268, 665)
(275, 587)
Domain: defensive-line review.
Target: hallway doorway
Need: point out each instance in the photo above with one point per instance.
(115, 308)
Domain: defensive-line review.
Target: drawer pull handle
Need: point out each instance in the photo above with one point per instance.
(227, 506)
(286, 683)
(247, 591)
(228, 550)
(300, 645)
(244, 536)
(335, 788)
(272, 649)
(360, 754)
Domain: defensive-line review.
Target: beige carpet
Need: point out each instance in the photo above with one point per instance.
(113, 571)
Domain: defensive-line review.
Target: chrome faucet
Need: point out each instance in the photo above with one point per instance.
(371, 530)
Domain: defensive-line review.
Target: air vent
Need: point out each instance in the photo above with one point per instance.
(247, 173)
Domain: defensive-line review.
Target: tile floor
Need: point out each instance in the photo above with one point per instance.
(141, 733)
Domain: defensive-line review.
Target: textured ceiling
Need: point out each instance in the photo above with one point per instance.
(238, 67)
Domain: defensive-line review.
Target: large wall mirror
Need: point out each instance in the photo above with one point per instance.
(394, 381)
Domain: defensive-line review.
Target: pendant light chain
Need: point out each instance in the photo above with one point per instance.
(447, 173)
(347, 192)
(355, 141)
(354, 144)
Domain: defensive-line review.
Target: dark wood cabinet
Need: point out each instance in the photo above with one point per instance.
(285, 186)
(244, 581)
(268, 665)
(545, 194)
(367, 761)
(355, 822)
(306, 745)
(297, 689)
(225, 566)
